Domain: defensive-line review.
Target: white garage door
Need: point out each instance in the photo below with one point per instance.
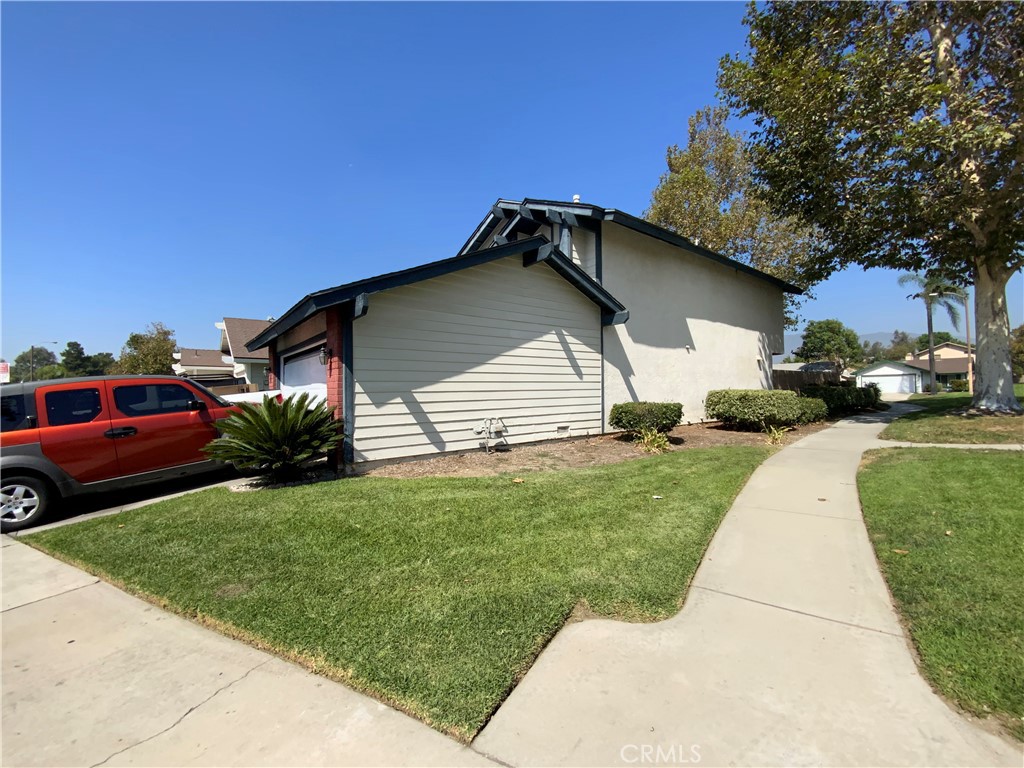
(304, 373)
(905, 382)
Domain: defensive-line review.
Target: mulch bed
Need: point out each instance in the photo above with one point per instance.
(573, 452)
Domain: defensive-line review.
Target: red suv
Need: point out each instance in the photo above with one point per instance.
(64, 437)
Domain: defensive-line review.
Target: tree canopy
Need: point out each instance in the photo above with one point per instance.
(941, 337)
(26, 365)
(150, 352)
(706, 195)
(896, 128)
(832, 341)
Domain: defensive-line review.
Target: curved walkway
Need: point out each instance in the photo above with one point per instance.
(787, 652)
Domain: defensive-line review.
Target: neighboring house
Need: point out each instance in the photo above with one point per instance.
(893, 377)
(950, 362)
(206, 366)
(248, 367)
(523, 335)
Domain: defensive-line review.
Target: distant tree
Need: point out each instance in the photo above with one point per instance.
(941, 337)
(706, 196)
(830, 340)
(935, 292)
(76, 363)
(100, 363)
(873, 352)
(74, 359)
(54, 371)
(788, 359)
(150, 352)
(900, 346)
(27, 364)
(895, 127)
(1017, 352)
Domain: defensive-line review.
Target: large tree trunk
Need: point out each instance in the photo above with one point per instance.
(995, 374)
(933, 385)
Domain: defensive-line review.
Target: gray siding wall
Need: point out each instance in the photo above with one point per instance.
(432, 360)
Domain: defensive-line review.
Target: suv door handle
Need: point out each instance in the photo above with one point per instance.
(117, 432)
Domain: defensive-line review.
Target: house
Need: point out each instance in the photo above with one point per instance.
(549, 314)
(950, 362)
(206, 366)
(893, 377)
(248, 367)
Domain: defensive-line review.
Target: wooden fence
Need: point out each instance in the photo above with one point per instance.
(797, 380)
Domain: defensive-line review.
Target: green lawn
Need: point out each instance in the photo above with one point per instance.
(435, 595)
(959, 593)
(936, 425)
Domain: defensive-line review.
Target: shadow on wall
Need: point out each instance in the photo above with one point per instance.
(404, 391)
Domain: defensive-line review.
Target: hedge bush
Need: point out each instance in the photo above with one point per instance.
(634, 417)
(812, 409)
(754, 409)
(842, 400)
(958, 385)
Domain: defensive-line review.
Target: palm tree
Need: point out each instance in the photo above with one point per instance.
(935, 292)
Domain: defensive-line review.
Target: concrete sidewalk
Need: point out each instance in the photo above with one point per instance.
(787, 652)
(93, 676)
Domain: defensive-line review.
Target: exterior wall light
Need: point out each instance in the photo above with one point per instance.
(324, 356)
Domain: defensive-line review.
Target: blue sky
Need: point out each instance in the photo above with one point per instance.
(182, 162)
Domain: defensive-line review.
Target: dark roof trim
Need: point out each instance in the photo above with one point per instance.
(646, 228)
(613, 312)
(578, 214)
(357, 293)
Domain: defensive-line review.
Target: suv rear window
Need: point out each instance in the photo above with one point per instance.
(72, 406)
(152, 399)
(12, 413)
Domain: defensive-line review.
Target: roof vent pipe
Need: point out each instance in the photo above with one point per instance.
(575, 198)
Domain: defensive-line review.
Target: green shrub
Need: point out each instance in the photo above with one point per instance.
(958, 385)
(754, 409)
(276, 439)
(812, 409)
(634, 417)
(843, 399)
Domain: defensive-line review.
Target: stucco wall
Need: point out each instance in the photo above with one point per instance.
(432, 360)
(694, 325)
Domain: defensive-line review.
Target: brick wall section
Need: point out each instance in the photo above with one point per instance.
(335, 378)
(272, 373)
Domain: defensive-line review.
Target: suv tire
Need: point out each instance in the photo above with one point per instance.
(24, 501)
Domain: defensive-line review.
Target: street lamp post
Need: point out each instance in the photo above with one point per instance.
(32, 359)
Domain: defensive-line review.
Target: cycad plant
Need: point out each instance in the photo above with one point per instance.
(935, 292)
(277, 439)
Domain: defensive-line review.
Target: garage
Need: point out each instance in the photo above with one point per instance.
(304, 373)
(890, 377)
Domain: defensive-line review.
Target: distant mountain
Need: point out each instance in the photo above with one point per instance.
(793, 340)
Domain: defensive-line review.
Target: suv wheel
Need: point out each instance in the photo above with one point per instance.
(23, 502)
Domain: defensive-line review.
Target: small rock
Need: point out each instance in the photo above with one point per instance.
(657, 497)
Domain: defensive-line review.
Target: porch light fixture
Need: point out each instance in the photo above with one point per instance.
(324, 356)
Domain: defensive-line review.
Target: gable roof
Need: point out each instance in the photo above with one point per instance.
(235, 331)
(201, 358)
(507, 217)
(906, 367)
(356, 295)
(955, 344)
(949, 365)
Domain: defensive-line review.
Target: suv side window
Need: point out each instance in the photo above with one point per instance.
(12, 413)
(152, 399)
(72, 406)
